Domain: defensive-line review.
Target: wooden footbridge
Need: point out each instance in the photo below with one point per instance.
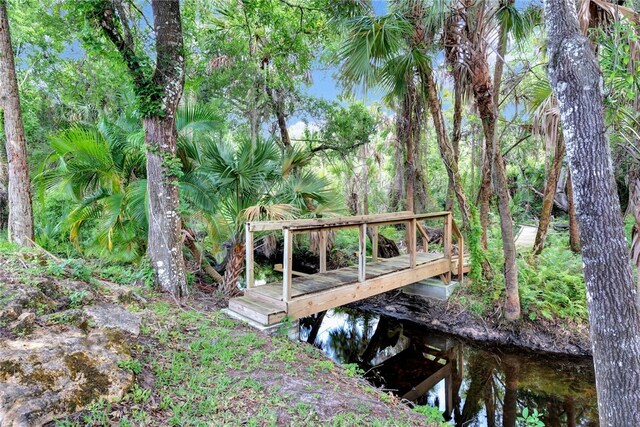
(305, 295)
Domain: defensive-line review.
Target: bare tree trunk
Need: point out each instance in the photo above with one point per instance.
(455, 141)
(483, 92)
(165, 239)
(410, 168)
(365, 180)
(484, 194)
(397, 191)
(574, 233)
(20, 223)
(614, 316)
(446, 150)
(549, 193)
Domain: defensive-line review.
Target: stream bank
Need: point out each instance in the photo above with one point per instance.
(541, 336)
(465, 383)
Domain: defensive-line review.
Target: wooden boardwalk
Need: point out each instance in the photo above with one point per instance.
(302, 296)
(526, 237)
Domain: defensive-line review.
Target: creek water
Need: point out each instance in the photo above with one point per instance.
(472, 385)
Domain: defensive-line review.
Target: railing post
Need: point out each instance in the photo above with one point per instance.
(374, 244)
(448, 231)
(287, 267)
(249, 256)
(362, 253)
(411, 242)
(323, 251)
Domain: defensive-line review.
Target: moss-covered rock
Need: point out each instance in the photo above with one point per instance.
(49, 376)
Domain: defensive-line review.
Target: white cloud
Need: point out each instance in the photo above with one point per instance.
(297, 129)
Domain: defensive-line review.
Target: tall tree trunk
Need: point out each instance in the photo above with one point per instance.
(408, 134)
(165, 225)
(483, 92)
(549, 194)
(365, 180)
(574, 233)
(446, 149)
(165, 239)
(614, 315)
(485, 192)
(397, 191)
(20, 223)
(456, 136)
(158, 96)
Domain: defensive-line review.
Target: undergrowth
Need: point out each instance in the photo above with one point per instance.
(551, 286)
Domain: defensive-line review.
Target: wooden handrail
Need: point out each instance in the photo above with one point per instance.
(322, 225)
(343, 221)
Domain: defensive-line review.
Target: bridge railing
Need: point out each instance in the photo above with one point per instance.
(323, 225)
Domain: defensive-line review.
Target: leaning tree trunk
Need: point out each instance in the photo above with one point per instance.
(447, 151)
(549, 194)
(20, 223)
(614, 315)
(634, 208)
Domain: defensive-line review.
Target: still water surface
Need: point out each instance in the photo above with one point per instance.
(472, 386)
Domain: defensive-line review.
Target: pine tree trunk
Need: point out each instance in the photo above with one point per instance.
(549, 194)
(574, 233)
(614, 315)
(446, 149)
(20, 222)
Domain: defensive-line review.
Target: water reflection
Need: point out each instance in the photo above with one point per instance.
(471, 386)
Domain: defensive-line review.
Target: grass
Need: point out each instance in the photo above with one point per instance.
(196, 367)
(199, 368)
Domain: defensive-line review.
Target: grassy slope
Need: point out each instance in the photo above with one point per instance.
(196, 367)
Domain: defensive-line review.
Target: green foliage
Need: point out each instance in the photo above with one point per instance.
(553, 287)
(432, 414)
(530, 419)
(353, 370)
(477, 256)
(76, 299)
(133, 365)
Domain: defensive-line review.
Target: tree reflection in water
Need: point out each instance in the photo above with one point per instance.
(474, 387)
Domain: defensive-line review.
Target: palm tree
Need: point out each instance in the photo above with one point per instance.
(102, 169)
(393, 51)
(256, 180)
